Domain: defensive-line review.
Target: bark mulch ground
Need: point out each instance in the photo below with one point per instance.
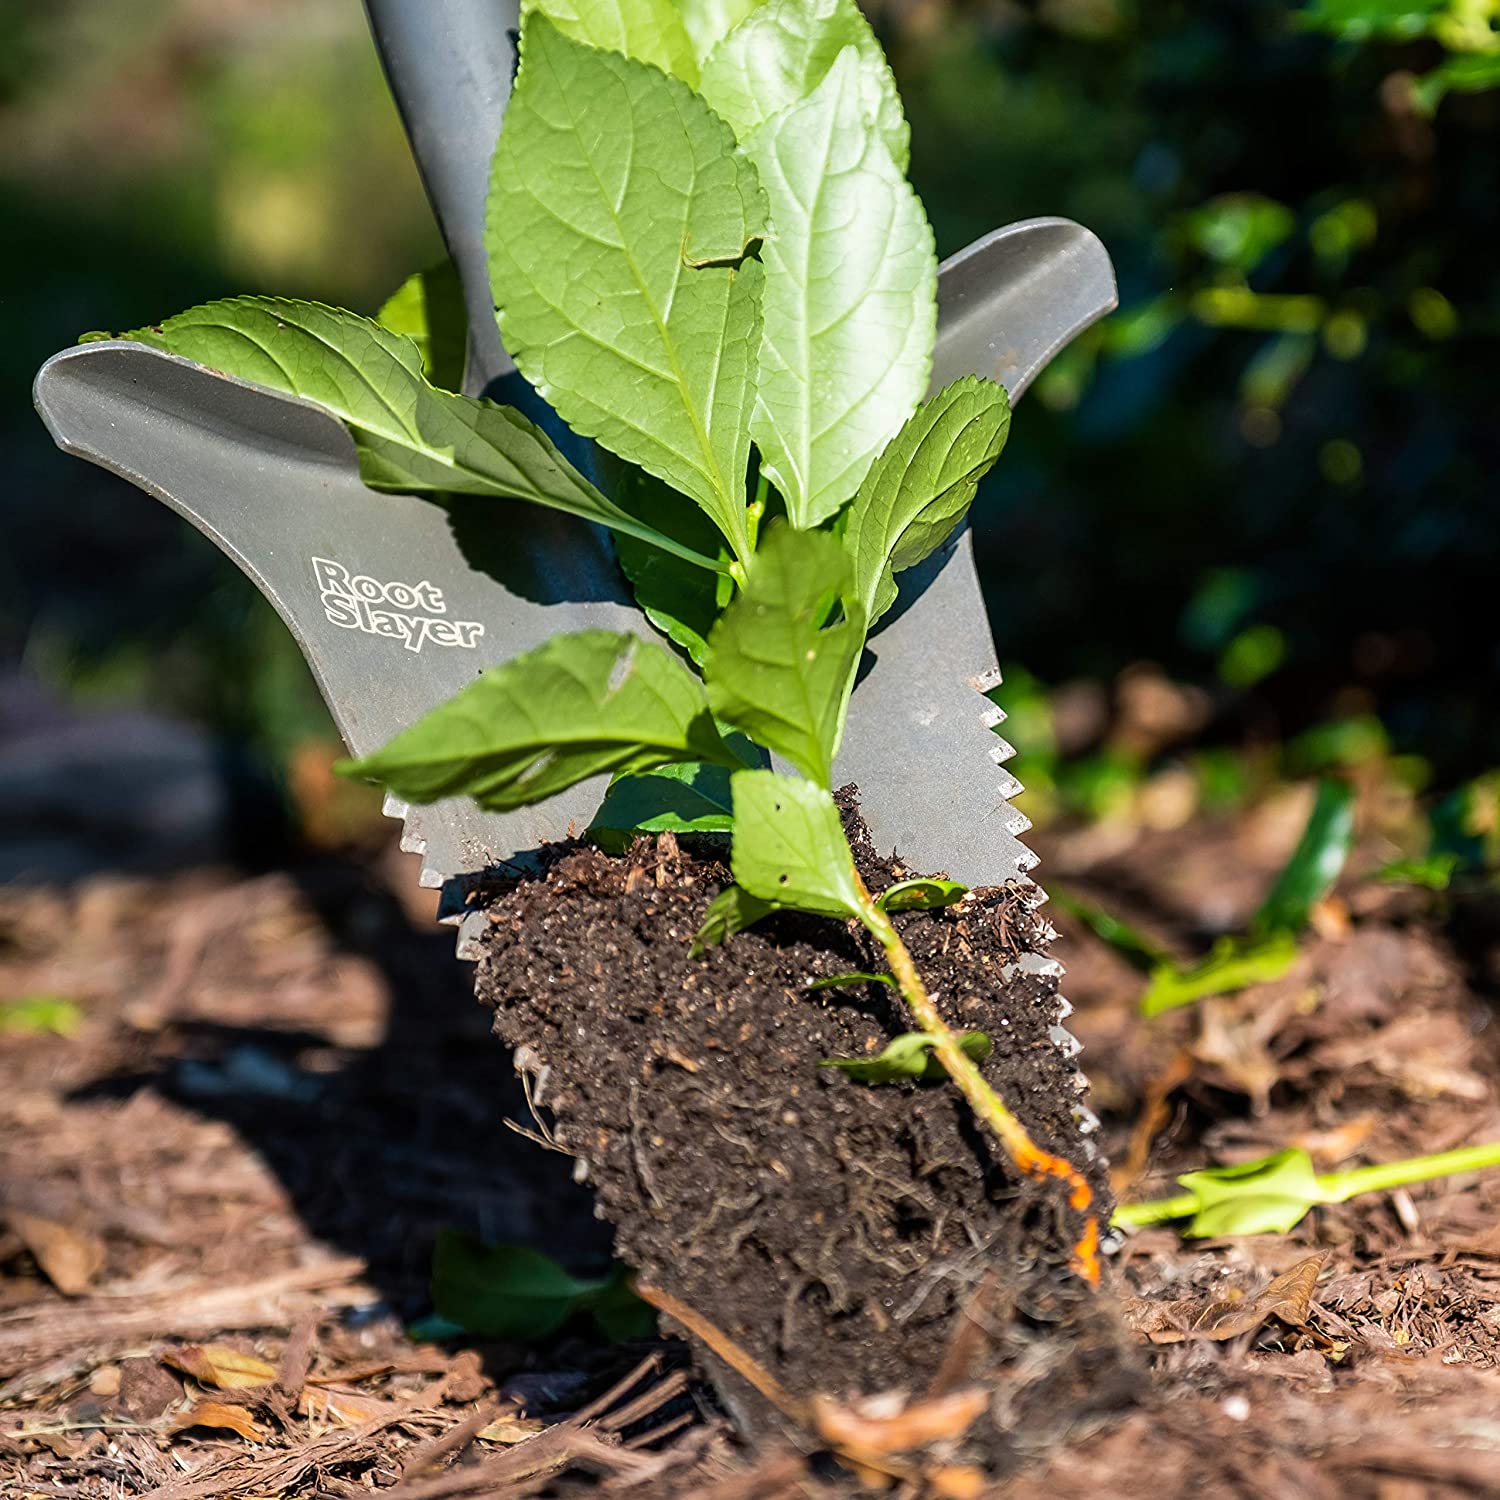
(281, 1088)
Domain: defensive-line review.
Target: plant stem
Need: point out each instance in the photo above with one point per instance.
(1156, 1211)
(1341, 1186)
(1030, 1158)
(1333, 1187)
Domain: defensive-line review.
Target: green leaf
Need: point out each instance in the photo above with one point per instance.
(731, 911)
(32, 1015)
(1361, 20)
(575, 707)
(681, 600)
(909, 1056)
(1471, 73)
(849, 981)
(502, 1291)
(1139, 951)
(922, 484)
(650, 31)
(1269, 1196)
(774, 669)
(921, 895)
(620, 219)
(687, 798)
(783, 52)
(850, 301)
(1433, 871)
(511, 1292)
(429, 309)
(410, 436)
(1316, 862)
(708, 22)
(1233, 964)
(789, 846)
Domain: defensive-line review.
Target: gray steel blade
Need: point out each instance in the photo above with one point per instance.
(920, 741)
(275, 484)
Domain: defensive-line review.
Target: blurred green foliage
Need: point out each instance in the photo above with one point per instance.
(1271, 473)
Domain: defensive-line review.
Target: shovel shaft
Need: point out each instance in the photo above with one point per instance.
(450, 67)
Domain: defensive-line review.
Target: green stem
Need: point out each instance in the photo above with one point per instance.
(1333, 1187)
(987, 1105)
(757, 509)
(1157, 1211)
(1341, 1186)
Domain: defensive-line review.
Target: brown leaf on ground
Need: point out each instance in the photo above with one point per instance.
(510, 1429)
(69, 1258)
(1287, 1299)
(219, 1414)
(221, 1366)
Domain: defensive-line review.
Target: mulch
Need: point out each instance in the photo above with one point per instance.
(281, 1088)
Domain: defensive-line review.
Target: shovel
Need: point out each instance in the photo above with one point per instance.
(275, 483)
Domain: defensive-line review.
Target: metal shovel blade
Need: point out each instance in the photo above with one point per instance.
(397, 602)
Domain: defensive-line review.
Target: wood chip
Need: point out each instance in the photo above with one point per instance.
(71, 1259)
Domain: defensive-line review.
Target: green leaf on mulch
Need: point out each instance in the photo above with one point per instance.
(1316, 862)
(511, 1292)
(1233, 964)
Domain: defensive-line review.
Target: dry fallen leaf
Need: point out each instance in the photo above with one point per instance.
(70, 1258)
(509, 1430)
(219, 1415)
(916, 1425)
(1286, 1299)
(342, 1408)
(218, 1364)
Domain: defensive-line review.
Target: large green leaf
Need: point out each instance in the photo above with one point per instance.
(922, 484)
(410, 436)
(620, 219)
(581, 704)
(708, 22)
(774, 668)
(789, 846)
(784, 50)
(850, 301)
(651, 31)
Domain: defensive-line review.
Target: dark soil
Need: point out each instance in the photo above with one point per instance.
(832, 1229)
